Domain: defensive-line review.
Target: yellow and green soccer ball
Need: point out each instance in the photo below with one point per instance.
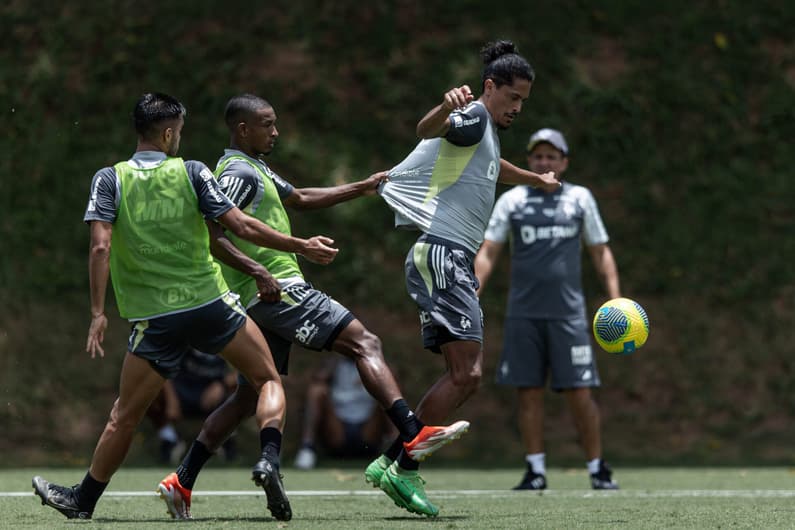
(621, 326)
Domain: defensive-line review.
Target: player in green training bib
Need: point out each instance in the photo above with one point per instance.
(147, 222)
(295, 312)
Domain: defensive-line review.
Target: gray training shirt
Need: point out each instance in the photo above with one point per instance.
(446, 186)
(545, 230)
(103, 204)
(241, 182)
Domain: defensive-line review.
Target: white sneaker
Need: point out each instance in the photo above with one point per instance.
(305, 459)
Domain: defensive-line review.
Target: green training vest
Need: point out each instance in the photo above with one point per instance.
(270, 211)
(160, 258)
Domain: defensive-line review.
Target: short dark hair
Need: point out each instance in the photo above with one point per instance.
(242, 106)
(153, 108)
(504, 64)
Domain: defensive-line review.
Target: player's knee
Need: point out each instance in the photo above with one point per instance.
(124, 419)
(372, 344)
(468, 381)
(367, 346)
(257, 382)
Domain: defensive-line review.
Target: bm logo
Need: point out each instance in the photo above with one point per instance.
(177, 296)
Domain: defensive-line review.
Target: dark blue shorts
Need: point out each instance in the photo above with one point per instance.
(535, 350)
(163, 341)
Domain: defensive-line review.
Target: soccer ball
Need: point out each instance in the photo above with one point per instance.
(621, 326)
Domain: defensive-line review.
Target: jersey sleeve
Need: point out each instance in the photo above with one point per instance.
(103, 201)
(499, 224)
(212, 203)
(238, 182)
(283, 188)
(467, 126)
(593, 229)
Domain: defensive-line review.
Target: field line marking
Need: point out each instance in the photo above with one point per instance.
(463, 493)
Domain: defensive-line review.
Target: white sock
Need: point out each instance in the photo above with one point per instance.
(168, 433)
(593, 465)
(537, 463)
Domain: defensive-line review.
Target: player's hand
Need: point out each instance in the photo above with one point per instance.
(372, 182)
(548, 182)
(317, 249)
(96, 335)
(456, 98)
(268, 289)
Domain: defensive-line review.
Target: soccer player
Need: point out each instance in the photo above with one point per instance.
(546, 330)
(147, 223)
(445, 188)
(293, 312)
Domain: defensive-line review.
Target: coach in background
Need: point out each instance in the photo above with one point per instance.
(546, 329)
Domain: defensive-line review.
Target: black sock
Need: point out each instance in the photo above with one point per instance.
(407, 423)
(192, 464)
(270, 440)
(407, 463)
(393, 452)
(88, 492)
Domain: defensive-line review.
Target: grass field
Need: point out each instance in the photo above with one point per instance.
(334, 499)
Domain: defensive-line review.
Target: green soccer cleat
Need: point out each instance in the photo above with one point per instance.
(407, 490)
(374, 471)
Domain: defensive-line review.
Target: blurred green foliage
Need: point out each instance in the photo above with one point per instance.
(681, 119)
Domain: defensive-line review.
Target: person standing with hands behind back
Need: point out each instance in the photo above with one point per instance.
(546, 329)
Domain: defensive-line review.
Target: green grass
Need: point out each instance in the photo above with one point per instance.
(334, 499)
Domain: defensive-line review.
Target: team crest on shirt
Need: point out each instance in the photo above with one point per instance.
(569, 210)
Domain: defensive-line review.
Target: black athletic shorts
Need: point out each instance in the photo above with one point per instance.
(163, 341)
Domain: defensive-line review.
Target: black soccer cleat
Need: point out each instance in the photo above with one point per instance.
(532, 481)
(61, 498)
(603, 479)
(266, 475)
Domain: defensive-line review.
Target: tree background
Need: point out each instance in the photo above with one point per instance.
(680, 116)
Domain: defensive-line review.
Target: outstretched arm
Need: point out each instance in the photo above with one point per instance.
(268, 289)
(485, 261)
(511, 174)
(312, 198)
(98, 271)
(315, 249)
(437, 121)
